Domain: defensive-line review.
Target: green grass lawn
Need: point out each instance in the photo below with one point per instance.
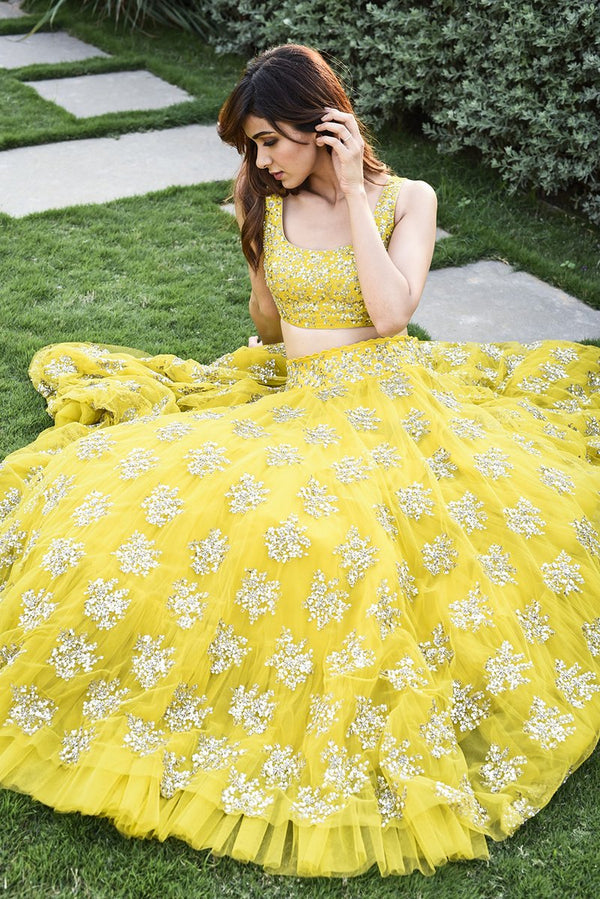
(165, 273)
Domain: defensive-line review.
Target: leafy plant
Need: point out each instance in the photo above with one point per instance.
(184, 14)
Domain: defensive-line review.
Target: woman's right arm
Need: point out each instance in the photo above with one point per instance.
(263, 311)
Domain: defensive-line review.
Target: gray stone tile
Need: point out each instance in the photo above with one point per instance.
(10, 11)
(90, 95)
(43, 47)
(489, 301)
(52, 176)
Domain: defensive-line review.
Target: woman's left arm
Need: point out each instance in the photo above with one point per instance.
(392, 279)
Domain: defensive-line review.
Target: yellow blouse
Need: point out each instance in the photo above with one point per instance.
(320, 288)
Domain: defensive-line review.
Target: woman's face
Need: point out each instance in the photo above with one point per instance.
(287, 160)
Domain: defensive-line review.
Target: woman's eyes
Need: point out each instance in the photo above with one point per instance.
(270, 143)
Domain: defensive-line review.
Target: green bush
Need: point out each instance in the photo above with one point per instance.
(518, 80)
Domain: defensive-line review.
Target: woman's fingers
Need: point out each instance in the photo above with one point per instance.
(346, 119)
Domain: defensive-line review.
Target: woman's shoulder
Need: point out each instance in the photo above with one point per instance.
(413, 195)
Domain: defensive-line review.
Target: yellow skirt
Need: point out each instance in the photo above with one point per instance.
(320, 615)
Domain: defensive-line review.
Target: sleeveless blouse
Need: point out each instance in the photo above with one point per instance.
(320, 288)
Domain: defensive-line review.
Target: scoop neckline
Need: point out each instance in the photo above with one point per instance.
(347, 246)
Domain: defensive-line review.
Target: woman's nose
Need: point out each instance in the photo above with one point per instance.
(263, 158)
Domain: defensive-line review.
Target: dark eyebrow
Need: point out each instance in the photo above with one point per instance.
(261, 134)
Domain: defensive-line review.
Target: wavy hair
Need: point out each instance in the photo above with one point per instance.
(290, 85)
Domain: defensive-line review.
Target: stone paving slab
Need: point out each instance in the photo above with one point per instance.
(10, 11)
(43, 47)
(489, 301)
(70, 173)
(91, 95)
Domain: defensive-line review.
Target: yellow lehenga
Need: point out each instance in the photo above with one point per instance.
(318, 614)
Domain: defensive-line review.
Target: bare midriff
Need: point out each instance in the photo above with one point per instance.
(305, 341)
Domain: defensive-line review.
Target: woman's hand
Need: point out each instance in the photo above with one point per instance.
(344, 138)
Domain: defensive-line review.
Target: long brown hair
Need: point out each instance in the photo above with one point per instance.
(291, 85)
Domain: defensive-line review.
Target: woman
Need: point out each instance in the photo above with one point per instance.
(354, 622)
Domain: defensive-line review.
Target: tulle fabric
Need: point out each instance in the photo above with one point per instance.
(318, 614)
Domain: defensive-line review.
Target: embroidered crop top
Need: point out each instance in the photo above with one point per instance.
(320, 288)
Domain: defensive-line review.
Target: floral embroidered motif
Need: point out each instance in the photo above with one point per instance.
(103, 698)
(438, 732)
(283, 454)
(317, 501)
(282, 766)
(500, 769)
(73, 654)
(363, 419)
(368, 722)
(138, 555)
(184, 711)
(208, 554)
(357, 556)
(143, 737)
(562, 576)
(246, 494)
(496, 565)
(227, 648)
(74, 743)
(546, 725)
(94, 507)
(137, 462)
(37, 608)
(324, 710)
(473, 612)
(162, 505)
(252, 709)
(56, 491)
(386, 456)
(577, 686)
(493, 463)
(345, 773)
(534, 623)
(415, 501)
(326, 602)
(464, 801)
(468, 512)
(30, 710)
(244, 796)
(351, 657)
(436, 651)
(385, 610)
(390, 803)
(63, 553)
(405, 674)
(469, 706)
(186, 602)
(440, 557)
(505, 669)
(292, 664)
(524, 518)
(351, 469)
(288, 541)
(206, 459)
(152, 661)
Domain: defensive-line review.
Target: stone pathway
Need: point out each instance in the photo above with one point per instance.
(486, 301)
(43, 48)
(97, 170)
(10, 11)
(92, 95)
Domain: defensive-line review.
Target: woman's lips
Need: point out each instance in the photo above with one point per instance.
(277, 175)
